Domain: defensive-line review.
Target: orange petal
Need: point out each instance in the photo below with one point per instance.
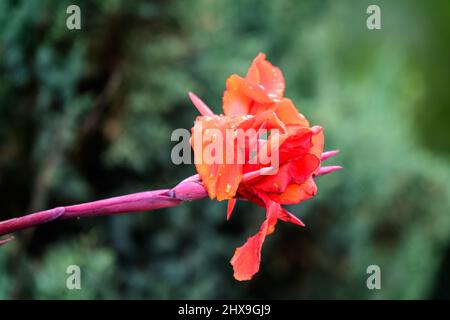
(289, 115)
(271, 78)
(228, 180)
(234, 100)
(317, 141)
(295, 193)
(256, 92)
(221, 179)
(256, 107)
(253, 70)
(207, 172)
(265, 120)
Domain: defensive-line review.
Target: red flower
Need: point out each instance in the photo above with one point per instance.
(256, 104)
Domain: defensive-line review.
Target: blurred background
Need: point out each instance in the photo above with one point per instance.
(87, 114)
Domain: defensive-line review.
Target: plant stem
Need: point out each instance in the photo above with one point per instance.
(187, 190)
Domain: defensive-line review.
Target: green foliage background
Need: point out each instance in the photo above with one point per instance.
(88, 114)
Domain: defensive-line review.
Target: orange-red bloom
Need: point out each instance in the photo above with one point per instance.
(256, 104)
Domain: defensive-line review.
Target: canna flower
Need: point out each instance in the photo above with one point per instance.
(261, 149)
(256, 104)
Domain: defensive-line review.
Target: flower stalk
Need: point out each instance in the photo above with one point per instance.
(187, 190)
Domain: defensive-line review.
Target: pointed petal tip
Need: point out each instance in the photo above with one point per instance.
(290, 217)
(192, 95)
(299, 223)
(200, 105)
(327, 170)
(230, 207)
(328, 154)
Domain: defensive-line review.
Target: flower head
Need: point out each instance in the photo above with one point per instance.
(261, 149)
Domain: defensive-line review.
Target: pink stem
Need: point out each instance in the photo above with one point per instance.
(188, 190)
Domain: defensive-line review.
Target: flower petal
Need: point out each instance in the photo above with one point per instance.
(286, 216)
(276, 183)
(296, 144)
(317, 141)
(262, 87)
(289, 115)
(220, 175)
(247, 258)
(296, 193)
(268, 76)
(234, 100)
(303, 167)
(230, 207)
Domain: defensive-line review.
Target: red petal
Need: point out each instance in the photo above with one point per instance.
(286, 216)
(276, 183)
(296, 144)
(302, 168)
(295, 193)
(247, 258)
(230, 207)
